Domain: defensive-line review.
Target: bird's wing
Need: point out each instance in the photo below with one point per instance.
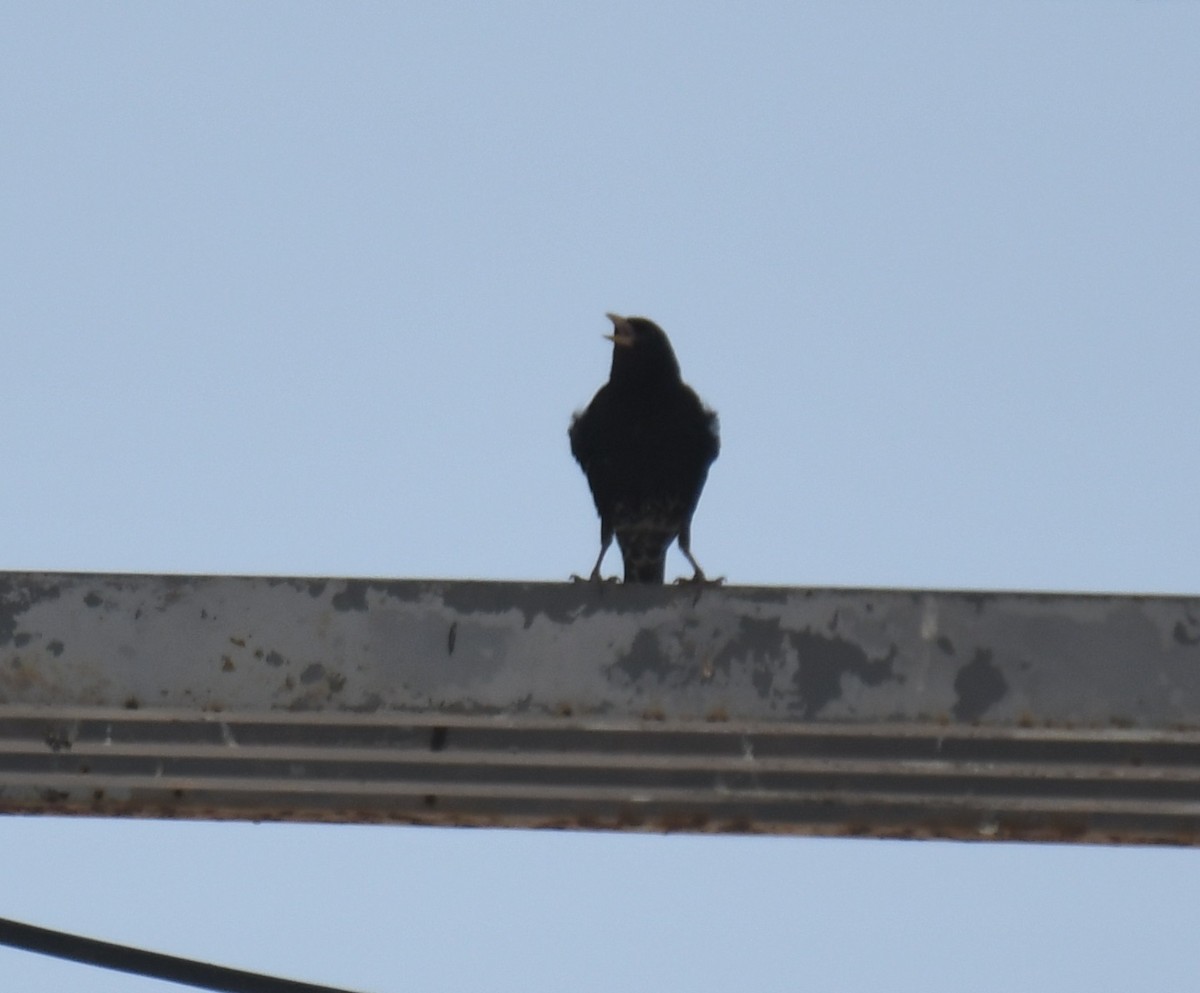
(585, 426)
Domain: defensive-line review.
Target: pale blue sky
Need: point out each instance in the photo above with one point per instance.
(314, 288)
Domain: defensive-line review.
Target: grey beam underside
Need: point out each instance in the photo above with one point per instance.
(783, 710)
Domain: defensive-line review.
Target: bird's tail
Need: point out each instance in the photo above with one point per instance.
(645, 553)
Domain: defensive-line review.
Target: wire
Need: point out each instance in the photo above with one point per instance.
(152, 964)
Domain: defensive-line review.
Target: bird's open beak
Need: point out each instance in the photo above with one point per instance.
(622, 330)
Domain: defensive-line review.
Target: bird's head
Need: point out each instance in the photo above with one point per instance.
(641, 351)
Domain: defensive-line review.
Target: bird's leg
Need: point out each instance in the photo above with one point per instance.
(699, 577)
(685, 546)
(605, 540)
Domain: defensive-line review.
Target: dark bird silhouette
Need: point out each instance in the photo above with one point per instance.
(645, 443)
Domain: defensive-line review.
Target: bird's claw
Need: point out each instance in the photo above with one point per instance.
(699, 579)
(701, 582)
(595, 579)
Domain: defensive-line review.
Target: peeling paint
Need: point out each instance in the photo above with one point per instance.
(979, 686)
(312, 674)
(490, 647)
(825, 662)
(1185, 637)
(18, 595)
(643, 659)
(888, 713)
(352, 597)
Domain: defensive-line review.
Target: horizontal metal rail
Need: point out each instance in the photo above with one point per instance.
(868, 712)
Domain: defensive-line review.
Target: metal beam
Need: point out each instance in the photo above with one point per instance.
(863, 712)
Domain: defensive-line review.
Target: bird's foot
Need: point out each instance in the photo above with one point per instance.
(700, 579)
(700, 582)
(595, 579)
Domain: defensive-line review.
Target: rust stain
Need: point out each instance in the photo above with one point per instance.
(427, 812)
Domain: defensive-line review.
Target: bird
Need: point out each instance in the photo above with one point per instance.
(645, 444)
